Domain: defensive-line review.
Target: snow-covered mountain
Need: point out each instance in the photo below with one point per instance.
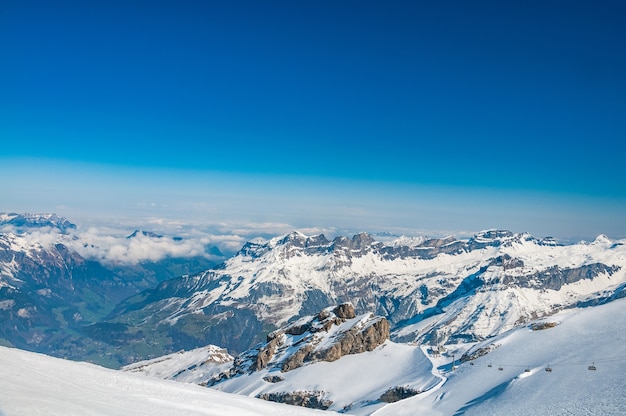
(570, 363)
(510, 378)
(23, 222)
(332, 360)
(431, 290)
(50, 293)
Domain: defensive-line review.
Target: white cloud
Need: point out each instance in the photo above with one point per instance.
(101, 245)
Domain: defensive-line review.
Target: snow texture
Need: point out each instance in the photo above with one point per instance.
(34, 384)
(583, 337)
(193, 366)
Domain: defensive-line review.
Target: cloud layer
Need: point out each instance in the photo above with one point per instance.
(110, 243)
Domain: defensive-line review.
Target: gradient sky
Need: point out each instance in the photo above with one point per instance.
(448, 116)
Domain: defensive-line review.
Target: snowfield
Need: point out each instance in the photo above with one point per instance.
(34, 384)
(511, 379)
(583, 337)
(353, 383)
(195, 366)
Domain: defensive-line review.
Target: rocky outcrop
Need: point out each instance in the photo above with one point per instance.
(296, 359)
(355, 341)
(266, 353)
(556, 277)
(539, 326)
(310, 399)
(273, 379)
(344, 311)
(331, 334)
(473, 354)
(395, 394)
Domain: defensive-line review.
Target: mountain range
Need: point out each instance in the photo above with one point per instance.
(353, 325)
(430, 290)
(50, 293)
(570, 363)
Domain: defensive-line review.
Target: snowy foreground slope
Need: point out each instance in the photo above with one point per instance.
(583, 337)
(567, 343)
(34, 384)
(195, 366)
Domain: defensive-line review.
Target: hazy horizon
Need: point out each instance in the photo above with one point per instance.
(263, 117)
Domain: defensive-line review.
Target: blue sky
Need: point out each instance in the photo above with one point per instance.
(447, 116)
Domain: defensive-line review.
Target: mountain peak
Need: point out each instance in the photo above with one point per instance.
(26, 221)
(148, 234)
(602, 239)
(493, 234)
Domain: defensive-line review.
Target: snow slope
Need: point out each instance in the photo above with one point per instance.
(583, 337)
(195, 366)
(354, 383)
(573, 340)
(35, 384)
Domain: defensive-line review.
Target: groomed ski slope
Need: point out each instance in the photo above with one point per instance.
(583, 337)
(35, 384)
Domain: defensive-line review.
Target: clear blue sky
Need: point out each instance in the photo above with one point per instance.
(468, 100)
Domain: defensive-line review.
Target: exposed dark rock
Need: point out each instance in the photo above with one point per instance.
(299, 343)
(555, 277)
(472, 355)
(323, 315)
(310, 399)
(344, 311)
(266, 353)
(538, 326)
(395, 394)
(356, 341)
(298, 329)
(273, 379)
(296, 359)
(507, 262)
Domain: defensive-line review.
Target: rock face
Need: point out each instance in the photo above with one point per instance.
(344, 311)
(266, 354)
(310, 399)
(327, 336)
(395, 394)
(354, 341)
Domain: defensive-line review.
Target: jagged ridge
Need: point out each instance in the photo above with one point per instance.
(477, 287)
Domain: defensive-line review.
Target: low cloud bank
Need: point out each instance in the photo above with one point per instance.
(156, 239)
(140, 248)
